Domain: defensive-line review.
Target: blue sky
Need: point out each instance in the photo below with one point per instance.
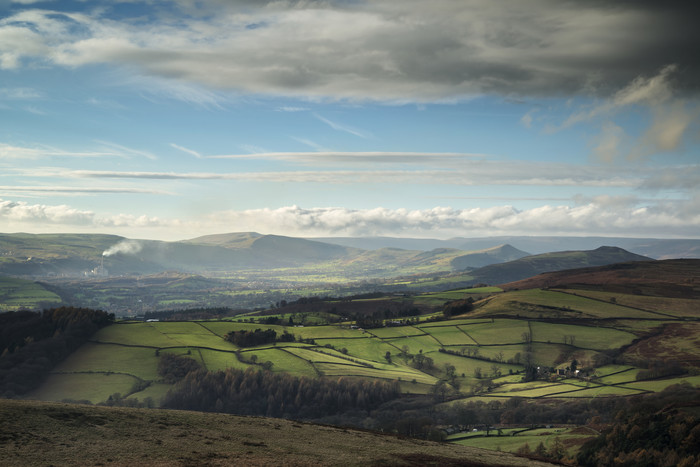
(173, 119)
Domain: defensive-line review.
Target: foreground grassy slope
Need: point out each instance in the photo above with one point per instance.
(35, 433)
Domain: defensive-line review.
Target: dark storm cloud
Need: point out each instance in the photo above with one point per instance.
(381, 50)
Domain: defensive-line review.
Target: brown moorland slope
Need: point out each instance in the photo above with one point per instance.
(678, 278)
(40, 433)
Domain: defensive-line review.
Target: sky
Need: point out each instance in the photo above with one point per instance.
(169, 120)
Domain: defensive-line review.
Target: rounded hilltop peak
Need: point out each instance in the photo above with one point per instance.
(609, 248)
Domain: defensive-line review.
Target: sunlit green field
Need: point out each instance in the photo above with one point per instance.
(598, 338)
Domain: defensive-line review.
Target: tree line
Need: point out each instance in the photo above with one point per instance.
(258, 392)
(246, 338)
(658, 430)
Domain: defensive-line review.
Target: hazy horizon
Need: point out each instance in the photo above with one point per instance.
(177, 119)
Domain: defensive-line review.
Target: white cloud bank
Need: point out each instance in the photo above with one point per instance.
(599, 216)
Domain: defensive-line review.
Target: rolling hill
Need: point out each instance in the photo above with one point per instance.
(532, 265)
(679, 278)
(481, 258)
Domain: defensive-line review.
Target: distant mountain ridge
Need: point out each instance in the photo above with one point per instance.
(44, 255)
(101, 255)
(652, 247)
(558, 261)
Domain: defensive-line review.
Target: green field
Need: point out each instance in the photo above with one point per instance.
(600, 391)
(450, 335)
(396, 331)
(283, 361)
(93, 387)
(598, 338)
(370, 349)
(623, 376)
(499, 331)
(511, 442)
(140, 362)
(661, 384)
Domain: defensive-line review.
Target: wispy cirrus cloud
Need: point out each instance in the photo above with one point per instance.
(68, 190)
(321, 155)
(466, 173)
(292, 109)
(188, 151)
(344, 128)
(8, 151)
(20, 93)
(126, 151)
(312, 144)
(39, 151)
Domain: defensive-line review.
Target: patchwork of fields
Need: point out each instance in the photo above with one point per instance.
(484, 355)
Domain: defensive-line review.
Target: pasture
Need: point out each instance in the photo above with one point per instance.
(586, 337)
(92, 387)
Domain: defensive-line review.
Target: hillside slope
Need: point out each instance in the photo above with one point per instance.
(532, 265)
(678, 278)
(481, 258)
(38, 433)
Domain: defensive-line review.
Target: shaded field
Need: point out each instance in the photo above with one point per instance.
(679, 342)
(138, 361)
(92, 387)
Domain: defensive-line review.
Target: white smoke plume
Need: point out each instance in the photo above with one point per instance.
(126, 247)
